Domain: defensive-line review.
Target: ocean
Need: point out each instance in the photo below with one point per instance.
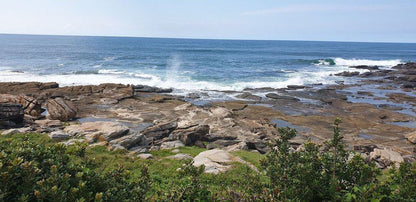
(188, 65)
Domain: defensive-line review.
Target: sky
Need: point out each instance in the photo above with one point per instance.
(321, 20)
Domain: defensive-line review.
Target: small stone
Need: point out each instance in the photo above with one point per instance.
(411, 137)
(145, 156)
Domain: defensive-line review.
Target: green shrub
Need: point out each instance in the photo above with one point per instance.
(47, 172)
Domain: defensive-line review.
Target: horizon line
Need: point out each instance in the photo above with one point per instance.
(196, 38)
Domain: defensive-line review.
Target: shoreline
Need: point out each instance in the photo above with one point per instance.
(252, 119)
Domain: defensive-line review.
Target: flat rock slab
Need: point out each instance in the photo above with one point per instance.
(108, 130)
(215, 161)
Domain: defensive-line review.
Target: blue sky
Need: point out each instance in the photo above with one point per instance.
(328, 20)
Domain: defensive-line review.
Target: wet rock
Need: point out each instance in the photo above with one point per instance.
(347, 74)
(365, 67)
(193, 96)
(411, 137)
(295, 87)
(59, 135)
(150, 89)
(171, 144)
(60, 109)
(249, 96)
(365, 93)
(282, 97)
(221, 143)
(145, 156)
(190, 135)
(160, 131)
(108, 130)
(406, 66)
(180, 157)
(215, 161)
(130, 140)
(386, 157)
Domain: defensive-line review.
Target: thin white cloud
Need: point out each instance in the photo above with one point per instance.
(302, 8)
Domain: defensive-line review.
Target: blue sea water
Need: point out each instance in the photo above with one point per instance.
(188, 64)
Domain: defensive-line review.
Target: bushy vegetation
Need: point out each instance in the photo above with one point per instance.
(33, 168)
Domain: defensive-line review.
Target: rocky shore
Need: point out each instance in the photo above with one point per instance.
(377, 111)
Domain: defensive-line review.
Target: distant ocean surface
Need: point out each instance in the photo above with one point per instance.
(188, 64)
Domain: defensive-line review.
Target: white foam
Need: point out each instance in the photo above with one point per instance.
(109, 71)
(355, 62)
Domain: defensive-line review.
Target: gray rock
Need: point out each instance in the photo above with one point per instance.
(215, 161)
(171, 144)
(386, 157)
(281, 97)
(59, 135)
(129, 141)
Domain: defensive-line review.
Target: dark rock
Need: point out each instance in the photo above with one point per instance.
(283, 97)
(200, 144)
(30, 105)
(190, 135)
(365, 67)
(295, 87)
(10, 115)
(259, 146)
(160, 131)
(150, 89)
(409, 65)
(62, 110)
(348, 74)
(249, 96)
(364, 148)
(365, 93)
(131, 140)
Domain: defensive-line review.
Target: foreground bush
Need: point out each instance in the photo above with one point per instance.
(31, 171)
(35, 169)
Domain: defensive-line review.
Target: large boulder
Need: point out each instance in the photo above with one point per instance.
(215, 161)
(171, 144)
(190, 135)
(160, 131)
(61, 109)
(107, 130)
(130, 140)
(385, 157)
(30, 105)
